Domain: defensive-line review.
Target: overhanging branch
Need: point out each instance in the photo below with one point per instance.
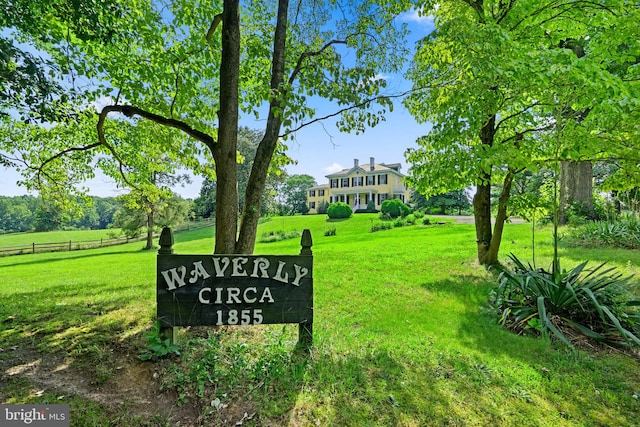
(130, 111)
(355, 106)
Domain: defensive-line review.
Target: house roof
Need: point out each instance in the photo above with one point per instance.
(321, 186)
(377, 168)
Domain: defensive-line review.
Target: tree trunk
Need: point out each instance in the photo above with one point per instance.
(482, 217)
(224, 151)
(501, 217)
(482, 201)
(149, 231)
(576, 186)
(266, 148)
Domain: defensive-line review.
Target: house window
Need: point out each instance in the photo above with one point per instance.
(371, 180)
(334, 183)
(356, 181)
(345, 182)
(382, 179)
(382, 198)
(312, 193)
(312, 205)
(320, 193)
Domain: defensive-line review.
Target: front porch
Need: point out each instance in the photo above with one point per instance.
(357, 200)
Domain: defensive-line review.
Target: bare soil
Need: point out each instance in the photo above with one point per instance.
(132, 389)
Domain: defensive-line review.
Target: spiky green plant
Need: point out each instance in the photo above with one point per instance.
(592, 302)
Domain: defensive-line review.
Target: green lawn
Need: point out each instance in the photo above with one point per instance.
(401, 333)
(15, 239)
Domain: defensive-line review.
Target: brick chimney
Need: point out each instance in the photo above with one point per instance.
(372, 164)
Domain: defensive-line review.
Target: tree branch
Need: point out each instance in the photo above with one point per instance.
(130, 111)
(306, 55)
(522, 111)
(212, 28)
(351, 107)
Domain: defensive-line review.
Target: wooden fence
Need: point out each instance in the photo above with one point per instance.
(71, 245)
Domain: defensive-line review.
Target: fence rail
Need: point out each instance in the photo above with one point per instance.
(71, 245)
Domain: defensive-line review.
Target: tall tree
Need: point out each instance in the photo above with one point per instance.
(498, 82)
(293, 193)
(178, 64)
(248, 140)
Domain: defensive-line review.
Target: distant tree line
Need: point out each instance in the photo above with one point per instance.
(30, 213)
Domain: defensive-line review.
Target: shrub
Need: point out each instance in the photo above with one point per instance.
(277, 235)
(380, 226)
(322, 207)
(578, 214)
(395, 208)
(399, 222)
(595, 303)
(624, 233)
(330, 232)
(410, 219)
(339, 210)
(418, 214)
(426, 221)
(371, 206)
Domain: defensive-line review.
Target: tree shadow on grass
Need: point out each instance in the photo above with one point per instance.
(478, 326)
(19, 261)
(537, 377)
(372, 387)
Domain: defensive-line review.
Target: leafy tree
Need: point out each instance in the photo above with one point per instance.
(106, 208)
(89, 219)
(205, 204)
(505, 92)
(17, 213)
(49, 217)
(129, 218)
(138, 212)
(532, 194)
(179, 65)
(248, 141)
(43, 88)
(294, 193)
(175, 212)
(456, 199)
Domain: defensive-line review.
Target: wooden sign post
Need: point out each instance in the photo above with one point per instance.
(198, 290)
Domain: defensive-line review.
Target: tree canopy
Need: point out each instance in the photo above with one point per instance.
(195, 67)
(506, 91)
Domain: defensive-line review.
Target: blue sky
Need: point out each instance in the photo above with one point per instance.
(319, 149)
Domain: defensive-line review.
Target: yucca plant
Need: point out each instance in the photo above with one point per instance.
(623, 233)
(592, 302)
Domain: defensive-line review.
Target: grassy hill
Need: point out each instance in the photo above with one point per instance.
(401, 337)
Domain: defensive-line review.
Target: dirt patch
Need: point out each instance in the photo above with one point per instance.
(133, 386)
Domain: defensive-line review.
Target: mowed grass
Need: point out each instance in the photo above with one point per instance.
(401, 335)
(17, 239)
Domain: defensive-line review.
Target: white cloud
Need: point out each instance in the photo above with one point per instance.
(417, 17)
(335, 167)
(102, 102)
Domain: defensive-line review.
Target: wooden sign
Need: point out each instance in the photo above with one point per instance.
(197, 290)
